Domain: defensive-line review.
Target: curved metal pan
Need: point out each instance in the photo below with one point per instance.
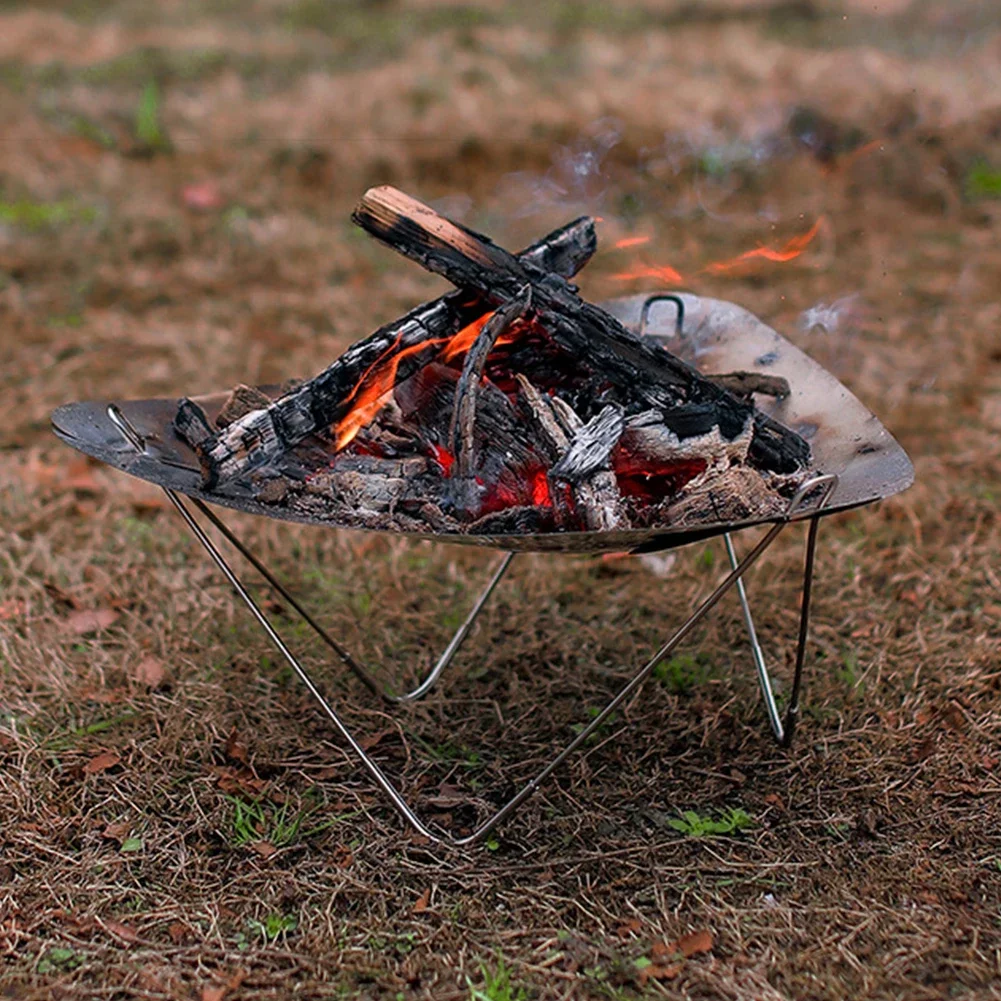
(845, 437)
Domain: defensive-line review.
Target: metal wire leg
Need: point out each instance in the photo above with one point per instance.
(532, 786)
(783, 729)
(360, 672)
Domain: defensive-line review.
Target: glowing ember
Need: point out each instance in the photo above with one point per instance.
(443, 457)
(664, 273)
(789, 252)
(540, 490)
(631, 241)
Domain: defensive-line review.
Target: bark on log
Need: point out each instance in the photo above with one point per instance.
(467, 388)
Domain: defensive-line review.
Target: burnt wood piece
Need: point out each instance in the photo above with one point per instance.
(461, 434)
(368, 484)
(660, 379)
(647, 442)
(591, 449)
(557, 426)
(322, 401)
(743, 384)
(598, 495)
(241, 401)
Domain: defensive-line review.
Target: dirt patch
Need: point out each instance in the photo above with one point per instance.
(178, 821)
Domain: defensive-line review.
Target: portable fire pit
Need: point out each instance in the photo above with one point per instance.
(516, 415)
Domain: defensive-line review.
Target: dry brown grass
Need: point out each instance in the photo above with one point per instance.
(873, 868)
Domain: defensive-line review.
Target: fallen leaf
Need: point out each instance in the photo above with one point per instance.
(263, 848)
(218, 993)
(150, 671)
(657, 971)
(695, 943)
(663, 950)
(202, 196)
(631, 927)
(91, 620)
(235, 749)
(178, 932)
(421, 904)
(367, 743)
(116, 832)
(101, 763)
(774, 799)
(126, 933)
(12, 609)
(448, 795)
(79, 475)
(665, 955)
(145, 498)
(341, 856)
(237, 780)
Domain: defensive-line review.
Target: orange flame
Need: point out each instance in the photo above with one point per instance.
(631, 241)
(464, 339)
(664, 273)
(789, 252)
(374, 388)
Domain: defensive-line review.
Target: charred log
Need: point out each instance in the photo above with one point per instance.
(744, 384)
(597, 339)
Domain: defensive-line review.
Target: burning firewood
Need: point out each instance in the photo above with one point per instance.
(581, 457)
(512, 405)
(262, 435)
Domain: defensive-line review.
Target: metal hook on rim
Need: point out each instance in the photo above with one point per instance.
(652, 300)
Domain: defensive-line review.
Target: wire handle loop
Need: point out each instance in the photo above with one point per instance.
(652, 300)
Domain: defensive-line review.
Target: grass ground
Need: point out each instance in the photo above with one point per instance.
(175, 819)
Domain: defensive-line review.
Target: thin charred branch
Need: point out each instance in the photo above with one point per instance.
(259, 436)
(462, 437)
(472, 261)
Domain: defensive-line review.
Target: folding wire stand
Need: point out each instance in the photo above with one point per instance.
(809, 503)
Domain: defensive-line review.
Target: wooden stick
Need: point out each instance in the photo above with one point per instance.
(461, 434)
